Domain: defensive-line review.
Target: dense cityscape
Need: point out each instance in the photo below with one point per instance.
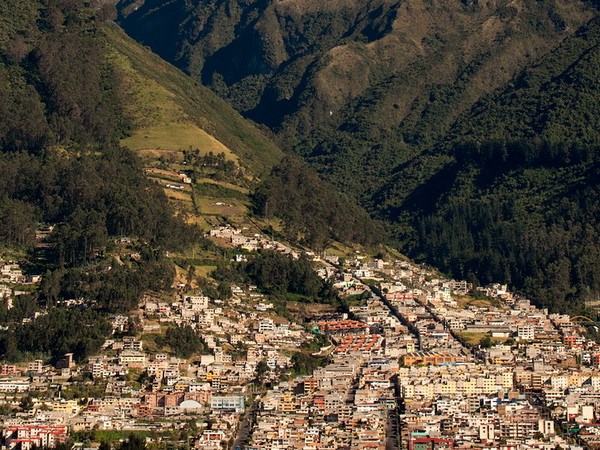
(417, 361)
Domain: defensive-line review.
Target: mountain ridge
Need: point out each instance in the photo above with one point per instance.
(326, 82)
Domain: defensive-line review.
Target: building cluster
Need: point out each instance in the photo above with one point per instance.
(433, 363)
(13, 282)
(345, 404)
(245, 240)
(416, 361)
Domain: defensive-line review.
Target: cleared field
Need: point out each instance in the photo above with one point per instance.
(201, 222)
(474, 338)
(163, 174)
(226, 207)
(463, 302)
(160, 123)
(220, 193)
(203, 271)
(179, 195)
(174, 136)
(340, 250)
(225, 184)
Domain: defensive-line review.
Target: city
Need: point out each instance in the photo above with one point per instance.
(416, 361)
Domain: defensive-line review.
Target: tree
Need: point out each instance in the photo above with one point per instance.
(261, 370)
(190, 275)
(485, 342)
(133, 442)
(50, 285)
(26, 403)
(305, 364)
(224, 290)
(184, 341)
(315, 214)
(279, 274)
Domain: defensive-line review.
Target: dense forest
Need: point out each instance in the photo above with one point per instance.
(491, 233)
(60, 161)
(184, 341)
(56, 333)
(314, 213)
(61, 165)
(279, 275)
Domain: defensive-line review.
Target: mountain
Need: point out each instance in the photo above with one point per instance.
(112, 162)
(81, 97)
(68, 190)
(352, 84)
(75, 88)
(551, 106)
(170, 114)
(512, 192)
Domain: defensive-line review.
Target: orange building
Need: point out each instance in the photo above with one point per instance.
(425, 358)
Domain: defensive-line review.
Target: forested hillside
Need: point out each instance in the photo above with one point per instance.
(512, 193)
(355, 87)
(61, 165)
(61, 122)
(313, 212)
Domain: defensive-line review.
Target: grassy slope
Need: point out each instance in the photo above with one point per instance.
(171, 112)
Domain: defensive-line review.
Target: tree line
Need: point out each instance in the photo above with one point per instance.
(278, 274)
(314, 213)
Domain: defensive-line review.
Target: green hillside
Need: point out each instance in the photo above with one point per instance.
(471, 127)
(62, 170)
(171, 113)
(551, 106)
(512, 193)
(355, 87)
(111, 163)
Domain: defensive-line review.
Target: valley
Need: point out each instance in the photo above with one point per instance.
(290, 224)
